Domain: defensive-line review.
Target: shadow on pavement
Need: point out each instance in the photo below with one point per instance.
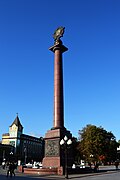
(99, 172)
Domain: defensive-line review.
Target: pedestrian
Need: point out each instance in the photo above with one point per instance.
(90, 164)
(9, 169)
(13, 168)
(96, 167)
(116, 164)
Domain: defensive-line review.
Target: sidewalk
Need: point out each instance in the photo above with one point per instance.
(102, 170)
(73, 176)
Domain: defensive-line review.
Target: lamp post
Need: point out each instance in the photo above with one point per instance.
(66, 142)
(91, 157)
(25, 151)
(11, 155)
(3, 155)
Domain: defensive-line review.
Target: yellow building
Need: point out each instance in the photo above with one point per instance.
(5, 138)
(26, 148)
(15, 131)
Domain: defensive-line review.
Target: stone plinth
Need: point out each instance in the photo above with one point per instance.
(54, 155)
(43, 171)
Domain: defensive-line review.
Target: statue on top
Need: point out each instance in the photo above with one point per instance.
(58, 34)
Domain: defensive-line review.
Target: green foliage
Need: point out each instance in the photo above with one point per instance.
(118, 142)
(75, 148)
(96, 144)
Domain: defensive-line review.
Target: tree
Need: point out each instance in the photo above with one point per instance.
(76, 153)
(96, 144)
(119, 142)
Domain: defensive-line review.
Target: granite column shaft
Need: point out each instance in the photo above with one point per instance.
(58, 89)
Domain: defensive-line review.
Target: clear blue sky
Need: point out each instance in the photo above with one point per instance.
(91, 66)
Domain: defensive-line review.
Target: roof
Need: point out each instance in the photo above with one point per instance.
(17, 122)
(5, 134)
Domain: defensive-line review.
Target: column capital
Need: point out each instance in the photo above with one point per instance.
(58, 46)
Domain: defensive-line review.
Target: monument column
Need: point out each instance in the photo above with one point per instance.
(58, 49)
(54, 155)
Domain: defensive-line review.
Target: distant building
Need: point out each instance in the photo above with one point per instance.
(118, 152)
(15, 131)
(5, 138)
(26, 148)
(5, 152)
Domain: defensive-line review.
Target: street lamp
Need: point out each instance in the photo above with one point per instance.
(66, 142)
(11, 155)
(91, 155)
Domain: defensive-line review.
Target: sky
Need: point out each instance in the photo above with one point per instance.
(91, 66)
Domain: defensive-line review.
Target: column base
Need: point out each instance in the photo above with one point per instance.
(54, 154)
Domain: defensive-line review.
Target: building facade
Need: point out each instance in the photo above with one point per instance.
(6, 152)
(26, 148)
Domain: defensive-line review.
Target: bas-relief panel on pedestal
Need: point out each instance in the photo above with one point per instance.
(52, 148)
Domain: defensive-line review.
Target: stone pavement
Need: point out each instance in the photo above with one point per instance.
(22, 176)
